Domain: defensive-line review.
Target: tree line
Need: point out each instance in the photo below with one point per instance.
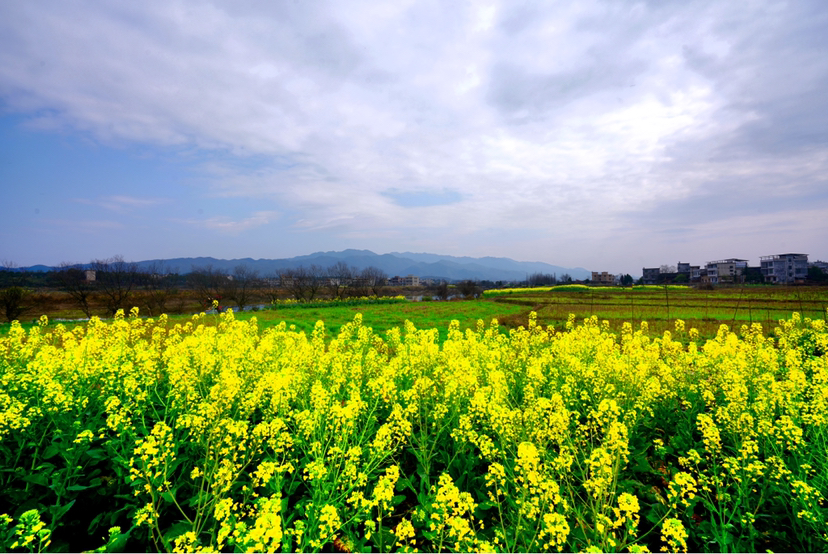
(113, 284)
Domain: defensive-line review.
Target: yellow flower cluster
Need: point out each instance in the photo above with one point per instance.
(227, 436)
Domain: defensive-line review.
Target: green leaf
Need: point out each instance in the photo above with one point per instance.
(642, 464)
(406, 482)
(37, 479)
(174, 465)
(727, 539)
(397, 500)
(95, 521)
(77, 488)
(45, 468)
(430, 535)
(59, 512)
(51, 451)
(485, 505)
(177, 529)
(96, 453)
(653, 517)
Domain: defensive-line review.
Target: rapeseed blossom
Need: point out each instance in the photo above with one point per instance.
(216, 434)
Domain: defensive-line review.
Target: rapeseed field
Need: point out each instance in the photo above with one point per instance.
(141, 435)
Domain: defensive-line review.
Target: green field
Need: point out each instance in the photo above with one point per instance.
(660, 307)
(380, 317)
(383, 317)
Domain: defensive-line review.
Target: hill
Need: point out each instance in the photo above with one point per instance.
(423, 265)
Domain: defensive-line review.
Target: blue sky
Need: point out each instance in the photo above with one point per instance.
(604, 134)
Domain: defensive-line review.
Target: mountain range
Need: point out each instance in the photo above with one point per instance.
(422, 265)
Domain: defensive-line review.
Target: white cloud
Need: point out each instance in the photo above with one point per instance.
(122, 203)
(593, 114)
(230, 226)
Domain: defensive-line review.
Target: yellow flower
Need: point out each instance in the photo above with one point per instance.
(674, 534)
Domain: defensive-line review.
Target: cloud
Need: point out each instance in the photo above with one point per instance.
(83, 225)
(122, 204)
(230, 226)
(571, 121)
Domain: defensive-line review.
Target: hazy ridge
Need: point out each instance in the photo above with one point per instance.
(423, 265)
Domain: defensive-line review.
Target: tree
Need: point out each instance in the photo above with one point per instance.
(566, 278)
(240, 285)
(116, 280)
(442, 291)
(337, 278)
(73, 280)
(157, 284)
(541, 279)
(15, 301)
(817, 275)
(627, 280)
(667, 269)
(753, 275)
(272, 286)
(209, 284)
(468, 289)
(303, 282)
(374, 278)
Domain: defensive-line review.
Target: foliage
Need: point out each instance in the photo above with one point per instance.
(158, 437)
(524, 290)
(660, 287)
(14, 301)
(335, 302)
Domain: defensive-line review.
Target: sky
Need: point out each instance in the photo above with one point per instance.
(610, 135)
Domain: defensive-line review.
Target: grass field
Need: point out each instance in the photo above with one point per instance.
(381, 317)
(703, 309)
(660, 307)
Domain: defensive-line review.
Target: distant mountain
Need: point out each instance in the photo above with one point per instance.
(422, 265)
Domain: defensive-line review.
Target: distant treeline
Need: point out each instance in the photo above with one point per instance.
(105, 286)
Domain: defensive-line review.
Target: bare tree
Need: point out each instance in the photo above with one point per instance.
(442, 291)
(291, 281)
(10, 275)
(116, 280)
(338, 278)
(240, 285)
(14, 300)
(468, 289)
(272, 286)
(209, 284)
(315, 276)
(540, 279)
(77, 283)
(158, 286)
(374, 278)
(303, 282)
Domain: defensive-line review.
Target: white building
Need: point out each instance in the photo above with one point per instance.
(730, 270)
(407, 281)
(784, 268)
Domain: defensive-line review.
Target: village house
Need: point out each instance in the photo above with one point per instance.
(602, 278)
(784, 268)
